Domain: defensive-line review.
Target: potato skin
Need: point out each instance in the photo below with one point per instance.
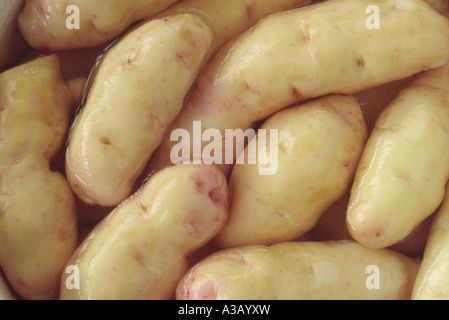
(38, 222)
(140, 250)
(319, 147)
(148, 74)
(43, 22)
(307, 52)
(404, 168)
(432, 281)
(228, 19)
(299, 271)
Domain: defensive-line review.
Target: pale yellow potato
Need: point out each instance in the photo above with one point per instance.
(229, 18)
(138, 90)
(318, 150)
(301, 271)
(38, 222)
(432, 281)
(332, 227)
(309, 52)
(48, 24)
(405, 166)
(141, 250)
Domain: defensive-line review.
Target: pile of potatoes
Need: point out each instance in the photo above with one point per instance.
(92, 205)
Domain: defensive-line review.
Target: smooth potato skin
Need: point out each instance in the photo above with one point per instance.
(43, 22)
(404, 168)
(141, 250)
(38, 222)
(299, 271)
(432, 281)
(228, 19)
(137, 92)
(306, 53)
(320, 144)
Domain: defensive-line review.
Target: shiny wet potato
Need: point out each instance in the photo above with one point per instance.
(141, 250)
(313, 161)
(38, 223)
(43, 22)
(300, 271)
(334, 198)
(137, 92)
(403, 172)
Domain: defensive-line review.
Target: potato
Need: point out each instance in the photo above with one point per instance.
(228, 19)
(137, 92)
(38, 223)
(405, 166)
(319, 147)
(301, 271)
(56, 26)
(432, 281)
(305, 53)
(332, 227)
(140, 250)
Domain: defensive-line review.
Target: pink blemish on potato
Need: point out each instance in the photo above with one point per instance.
(191, 225)
(216, 195)
(206, 291)
(200, 185)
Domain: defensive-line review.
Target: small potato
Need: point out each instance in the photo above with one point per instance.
(432, 282)
(405, 166)
(141, 250)
(137, 92)
(38, 222)
(319, 147)
(301, 271)
(51, 24)
(305, 53)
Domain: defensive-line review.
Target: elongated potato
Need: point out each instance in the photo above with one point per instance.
(38, 222)
(404, 169)
(432, 281)
(140, 250)
(309, 52)
(62, 25)
(301, 271)
(319, 147)
(137, 92)
(228, 19)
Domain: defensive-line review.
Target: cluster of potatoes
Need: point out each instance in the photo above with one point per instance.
(93, 207)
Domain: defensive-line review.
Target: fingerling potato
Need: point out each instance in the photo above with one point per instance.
(402, 175)
(38, 222)
(136, 93)
(141, 250)
(342, 270)
(53, 24)
(318, 150)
